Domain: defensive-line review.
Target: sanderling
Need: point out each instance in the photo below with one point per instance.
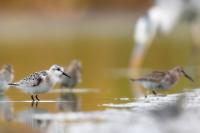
(6, 76)
(40, 82)
(162, 79)
(74, 70)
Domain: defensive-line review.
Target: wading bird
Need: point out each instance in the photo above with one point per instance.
(162, 80)
(40, 82)
(162, 18)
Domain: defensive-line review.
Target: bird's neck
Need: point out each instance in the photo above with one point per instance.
(54, 79)
(175, 75)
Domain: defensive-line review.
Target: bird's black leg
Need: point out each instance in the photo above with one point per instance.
(154, 92)
(37, 98)
(32, 98)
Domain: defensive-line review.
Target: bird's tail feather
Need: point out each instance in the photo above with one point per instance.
(13, 84)
(133, 80)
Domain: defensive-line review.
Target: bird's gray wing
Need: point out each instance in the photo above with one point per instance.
(155, 76)
(32, 80)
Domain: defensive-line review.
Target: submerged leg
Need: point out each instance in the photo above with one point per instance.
(154, 92)
(32, 104)
(37, 98)
(36, 104)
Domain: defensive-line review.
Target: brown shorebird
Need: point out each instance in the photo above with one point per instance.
(162, 80)
(74, 70)
(6, 76)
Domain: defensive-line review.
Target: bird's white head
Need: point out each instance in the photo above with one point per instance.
(55, 71)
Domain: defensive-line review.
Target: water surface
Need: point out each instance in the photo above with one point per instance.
(105, 59)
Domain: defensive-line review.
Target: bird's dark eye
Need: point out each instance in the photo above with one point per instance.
(58, 69)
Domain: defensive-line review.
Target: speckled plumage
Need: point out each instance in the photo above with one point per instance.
(35, 83)
(33, 79)
(161, 79)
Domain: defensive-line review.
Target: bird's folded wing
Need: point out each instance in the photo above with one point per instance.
(155, 76)
(32, 80)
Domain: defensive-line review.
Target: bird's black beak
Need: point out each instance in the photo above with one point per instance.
(187, 76)
(66, 75)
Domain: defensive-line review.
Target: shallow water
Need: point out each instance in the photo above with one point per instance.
(67, 107)
(65, 114)
(103, 101)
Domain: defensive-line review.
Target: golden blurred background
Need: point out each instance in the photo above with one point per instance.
(35, 34)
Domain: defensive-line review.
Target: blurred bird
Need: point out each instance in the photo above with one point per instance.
(40, 82)
(6, 76)
(162, 79)
(162, 17)
(68, 102)
(74, 70)
(28, 118)
(170, 111)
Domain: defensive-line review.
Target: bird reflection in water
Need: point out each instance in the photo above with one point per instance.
(6, 108)
(28, 117)
(68, 102)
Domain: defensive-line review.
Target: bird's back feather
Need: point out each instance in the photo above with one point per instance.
(155, 76)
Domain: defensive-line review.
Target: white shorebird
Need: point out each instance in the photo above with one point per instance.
(74, 70)
(40, 82)
(162, 17)
(6, 76)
